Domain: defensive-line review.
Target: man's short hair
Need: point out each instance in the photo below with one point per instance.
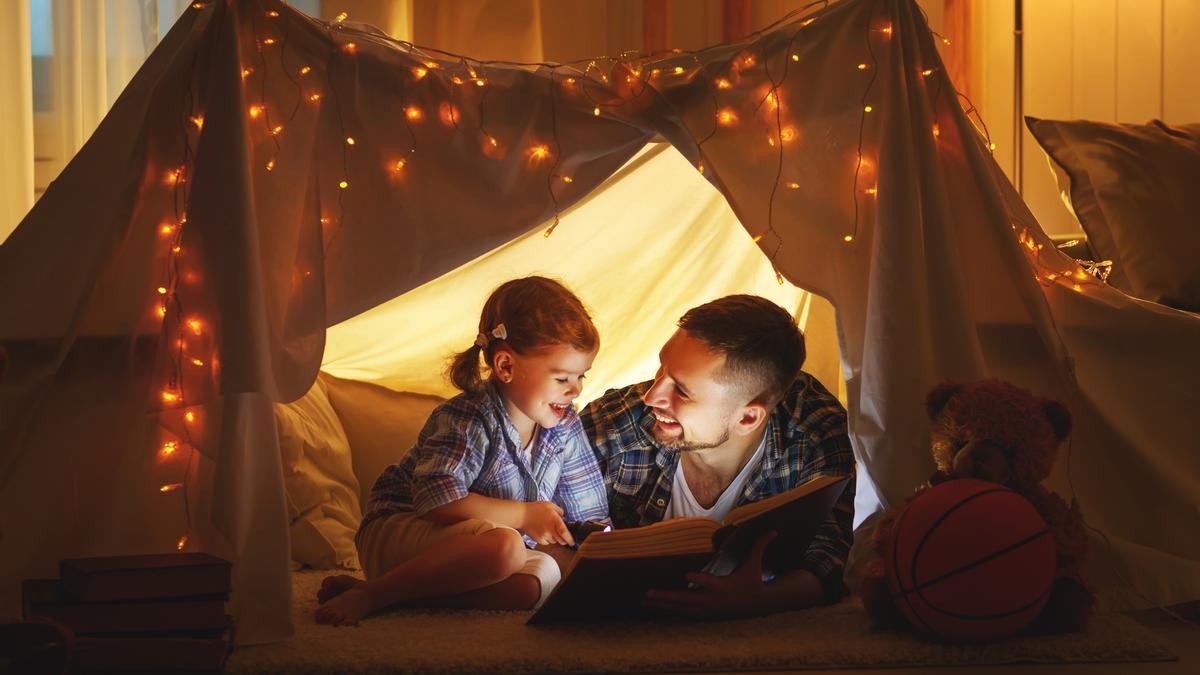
(763, 347)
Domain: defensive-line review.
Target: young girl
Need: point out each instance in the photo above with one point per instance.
(496, 470)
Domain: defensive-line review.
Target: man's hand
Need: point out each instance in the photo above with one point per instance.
(543, 523)
(740, 594)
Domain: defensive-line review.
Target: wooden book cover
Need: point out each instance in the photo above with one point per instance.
(158, 654)
(142, 577)
(43, 598)
(612, 571)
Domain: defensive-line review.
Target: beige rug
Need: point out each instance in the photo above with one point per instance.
(829, 637)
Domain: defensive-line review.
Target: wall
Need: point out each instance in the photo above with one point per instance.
(1108, 60)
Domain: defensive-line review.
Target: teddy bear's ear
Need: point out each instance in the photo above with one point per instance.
(939, 395)
(1060, 418)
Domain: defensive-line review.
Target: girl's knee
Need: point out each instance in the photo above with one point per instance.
(504, 553)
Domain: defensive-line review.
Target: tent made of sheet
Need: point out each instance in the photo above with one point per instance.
(266, 177)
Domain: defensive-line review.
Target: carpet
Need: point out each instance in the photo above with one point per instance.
(826, 637)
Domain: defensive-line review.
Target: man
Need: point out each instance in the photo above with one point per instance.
(729, 419)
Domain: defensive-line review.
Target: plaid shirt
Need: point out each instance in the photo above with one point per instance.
(806, 437)
(469, 444)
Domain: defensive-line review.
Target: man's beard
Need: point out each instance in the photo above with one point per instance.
(684, 445)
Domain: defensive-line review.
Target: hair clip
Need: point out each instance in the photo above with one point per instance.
(499, 333)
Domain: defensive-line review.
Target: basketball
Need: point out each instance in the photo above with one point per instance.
(970, 560)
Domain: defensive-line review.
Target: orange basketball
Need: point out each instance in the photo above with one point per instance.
(969, 561)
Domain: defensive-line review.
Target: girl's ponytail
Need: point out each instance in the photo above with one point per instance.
(464, 370)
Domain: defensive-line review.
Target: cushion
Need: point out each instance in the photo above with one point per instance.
(381, 424)
(1134, 189)
(318, 474)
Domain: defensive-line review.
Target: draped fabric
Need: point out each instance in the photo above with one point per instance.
(265, 176)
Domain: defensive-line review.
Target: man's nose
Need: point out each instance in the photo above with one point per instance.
(656, 397)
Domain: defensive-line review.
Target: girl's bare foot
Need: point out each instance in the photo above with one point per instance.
(347, 608)
(335, 585)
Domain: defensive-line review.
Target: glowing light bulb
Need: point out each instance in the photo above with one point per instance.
(867, 108)
(197, 362)
(792, 185)
(413, 113)
(795, 57)
(314, 97)
(756, 238)
(456, 80)
(937, 131)
(778, 278)
(991, 146)
(273, 14)
(872, 191)
(567, 179)
(863, 66)
(342, 16)
(538, 152)
(269, 41)
(927, 72)
(848, 238)
(480, 83)
(161, 310)
(198, 120)
(176, 248)
(169, 396)
(162, 290)
(305, 70)
(398, 167)
(723, 83)
(678, 70)
(275, 131)
(350, 47)
(788, 134)
(420, 72)
(270, 165)
(807, 22)
(493, 142)
(246, 72)
(169, 448)
(946, 41)
(726, 117)
(181, 543)
(596, 111)
(166, 229)
(569, 81)
(886, 30)
(343, 184)
(349, 140)
(255, 111)
(195, 325)
(190, 417)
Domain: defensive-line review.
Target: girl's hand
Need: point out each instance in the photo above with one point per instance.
(543, 523)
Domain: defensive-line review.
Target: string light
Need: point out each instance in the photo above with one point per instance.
(413, 113)
(162, 290)
(723, 83)
(255, 111)
(596, 111)
(726, 117)
(246, 72)
(867, 108)
(848, 238)
(273, 14)
(342, 16)
(420, 72)
(937, 131)
(169, 448)
(343, 184)
(349, 140)
(397, 167)
(182, 542)
(198, 121)
(872, 191)
(314, 97)
(197, 362)
(276, 129)
(756, 238)
(566, 179)
(678, 70)
(305, 70)
(792, 185)
(269, 41)
(863, 66)
(795, 57)
(927, 72)
(166, 229)
(169, 396)
(270, 165)
(190, 417)
(195, 325)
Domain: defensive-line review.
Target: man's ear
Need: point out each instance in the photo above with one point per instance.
(753, 415)
(502, 364)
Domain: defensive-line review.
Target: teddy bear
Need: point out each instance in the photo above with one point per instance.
(994, 431)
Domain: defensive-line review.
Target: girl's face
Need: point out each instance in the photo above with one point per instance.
(540, 385)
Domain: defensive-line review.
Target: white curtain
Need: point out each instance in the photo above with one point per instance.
(16, 115)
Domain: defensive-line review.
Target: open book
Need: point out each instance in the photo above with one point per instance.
(613, 570)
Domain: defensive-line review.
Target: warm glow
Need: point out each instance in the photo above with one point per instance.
(349, 140)
(867, 108)
(246, 72)
(480, 83)
(726, 117)
(807, 22)
(273, 14)
(176, 248)
(198, 121)
(778, 278)
(448, 114)
(166, 229)
(872, 191)
(350, 47)
(773, 100)
(197, 362)
(788, 134)
(792, 185)
(305, 70)
(756, 238)
(886, 30)
(169, 396)
(723, 83)
(398, 166)
(162, 290)
(314, 97)
(269, 41)
(596, 111)
(343, 184)
(169, 448)
(270, 165)
(795, 57)
(937, 131)
(255, 111)
(276, 129)
(195, 325)
(863, 66)
(567, 179)
(493, 142)
(678, 70)
(991, 146)
(420, 72)
(538, 153)
(569, 81)
(172, 176)
(927, 72)
(181, 543)
(190, 417)
(848, 238)
(413, 113)
(456, 80)
(342, 16)
(946, 41)
(700, 168)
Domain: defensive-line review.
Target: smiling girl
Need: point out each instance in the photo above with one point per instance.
(496, 471)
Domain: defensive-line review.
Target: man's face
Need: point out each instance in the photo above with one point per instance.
(693, 408)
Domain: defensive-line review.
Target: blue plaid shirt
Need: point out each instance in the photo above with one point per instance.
(469, 444)
(806, 437)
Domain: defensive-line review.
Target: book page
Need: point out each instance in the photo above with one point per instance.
(682, 535)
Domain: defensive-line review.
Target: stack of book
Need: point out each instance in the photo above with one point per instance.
(139, 612)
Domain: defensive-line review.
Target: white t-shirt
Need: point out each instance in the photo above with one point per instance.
(684, 505)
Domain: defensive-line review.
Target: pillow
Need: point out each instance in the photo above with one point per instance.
(1136, 192)
(381, 424)
(322, 492)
